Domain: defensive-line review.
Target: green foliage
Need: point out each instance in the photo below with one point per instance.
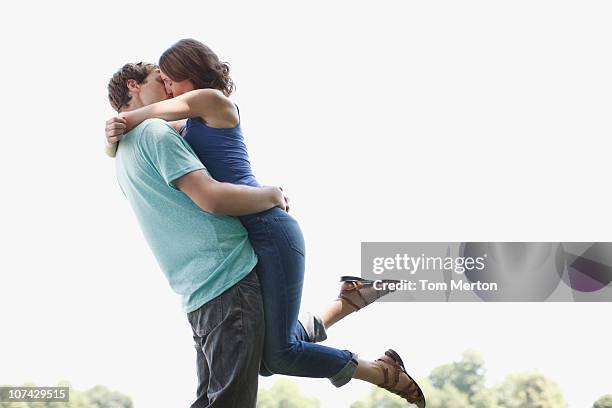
(447, 395)
(96, 397)
(101, 397)
(604, 402)
(486, 398)
(284, 394)
(466, 375)
(530, 390)
(460, 383)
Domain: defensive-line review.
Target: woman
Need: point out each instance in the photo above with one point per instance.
(200, 86)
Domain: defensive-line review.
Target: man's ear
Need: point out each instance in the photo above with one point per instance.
(132, 85)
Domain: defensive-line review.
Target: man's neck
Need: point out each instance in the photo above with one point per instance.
(134, 104)
(130, 107)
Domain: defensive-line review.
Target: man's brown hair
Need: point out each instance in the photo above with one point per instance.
(190, 59)
(118, 93)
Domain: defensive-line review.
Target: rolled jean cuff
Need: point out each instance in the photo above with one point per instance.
(313, 326)
(348, 371)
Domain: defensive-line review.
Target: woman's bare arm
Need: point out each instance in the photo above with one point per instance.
(110, 149)
(209, 104)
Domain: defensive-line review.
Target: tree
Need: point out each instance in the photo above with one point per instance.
(530, 390)
(446, 395)
(101, 397)
(466, 375)
(284, 394)
(486, 398)
(604, 402)
(461, 384)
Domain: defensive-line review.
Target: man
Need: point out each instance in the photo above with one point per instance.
(204, 253)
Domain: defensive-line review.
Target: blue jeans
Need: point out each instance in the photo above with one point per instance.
(278, 242)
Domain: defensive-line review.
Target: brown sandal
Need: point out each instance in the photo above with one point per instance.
(412, 393)
(363, 289)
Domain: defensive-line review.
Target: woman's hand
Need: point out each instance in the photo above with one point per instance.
(115, 128)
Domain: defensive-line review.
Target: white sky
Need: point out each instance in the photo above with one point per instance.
(425, 121)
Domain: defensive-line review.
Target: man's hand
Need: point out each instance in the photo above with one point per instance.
(280, 199)
(285, 202)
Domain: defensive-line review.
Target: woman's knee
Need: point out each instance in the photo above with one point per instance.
(276, 365)
(281, 361)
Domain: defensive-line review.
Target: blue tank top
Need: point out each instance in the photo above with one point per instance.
(222, 151)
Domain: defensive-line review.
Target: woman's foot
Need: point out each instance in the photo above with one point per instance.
(396, 379)
(359, 292)
(355, 294)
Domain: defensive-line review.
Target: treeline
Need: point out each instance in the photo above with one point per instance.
(460, 384)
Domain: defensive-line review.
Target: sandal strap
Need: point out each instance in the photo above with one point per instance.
(350, 302)
(355, 288)
(396, 375)
(396, 372)
(385, 371)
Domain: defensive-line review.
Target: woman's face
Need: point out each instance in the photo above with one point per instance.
(176, 88)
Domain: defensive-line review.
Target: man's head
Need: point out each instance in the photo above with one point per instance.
(136, 85)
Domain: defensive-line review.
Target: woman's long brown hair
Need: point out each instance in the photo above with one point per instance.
(190, 59)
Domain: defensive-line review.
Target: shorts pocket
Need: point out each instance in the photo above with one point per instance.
(207, 317)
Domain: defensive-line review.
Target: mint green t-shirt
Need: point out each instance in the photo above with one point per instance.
(201, 254)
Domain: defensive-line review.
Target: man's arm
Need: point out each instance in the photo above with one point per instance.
(228, 199)
(180, 168)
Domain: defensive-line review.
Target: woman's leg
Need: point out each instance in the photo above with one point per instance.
(336, 311)
(278, 242)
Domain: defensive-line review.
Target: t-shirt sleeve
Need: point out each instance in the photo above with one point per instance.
(166, 151)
